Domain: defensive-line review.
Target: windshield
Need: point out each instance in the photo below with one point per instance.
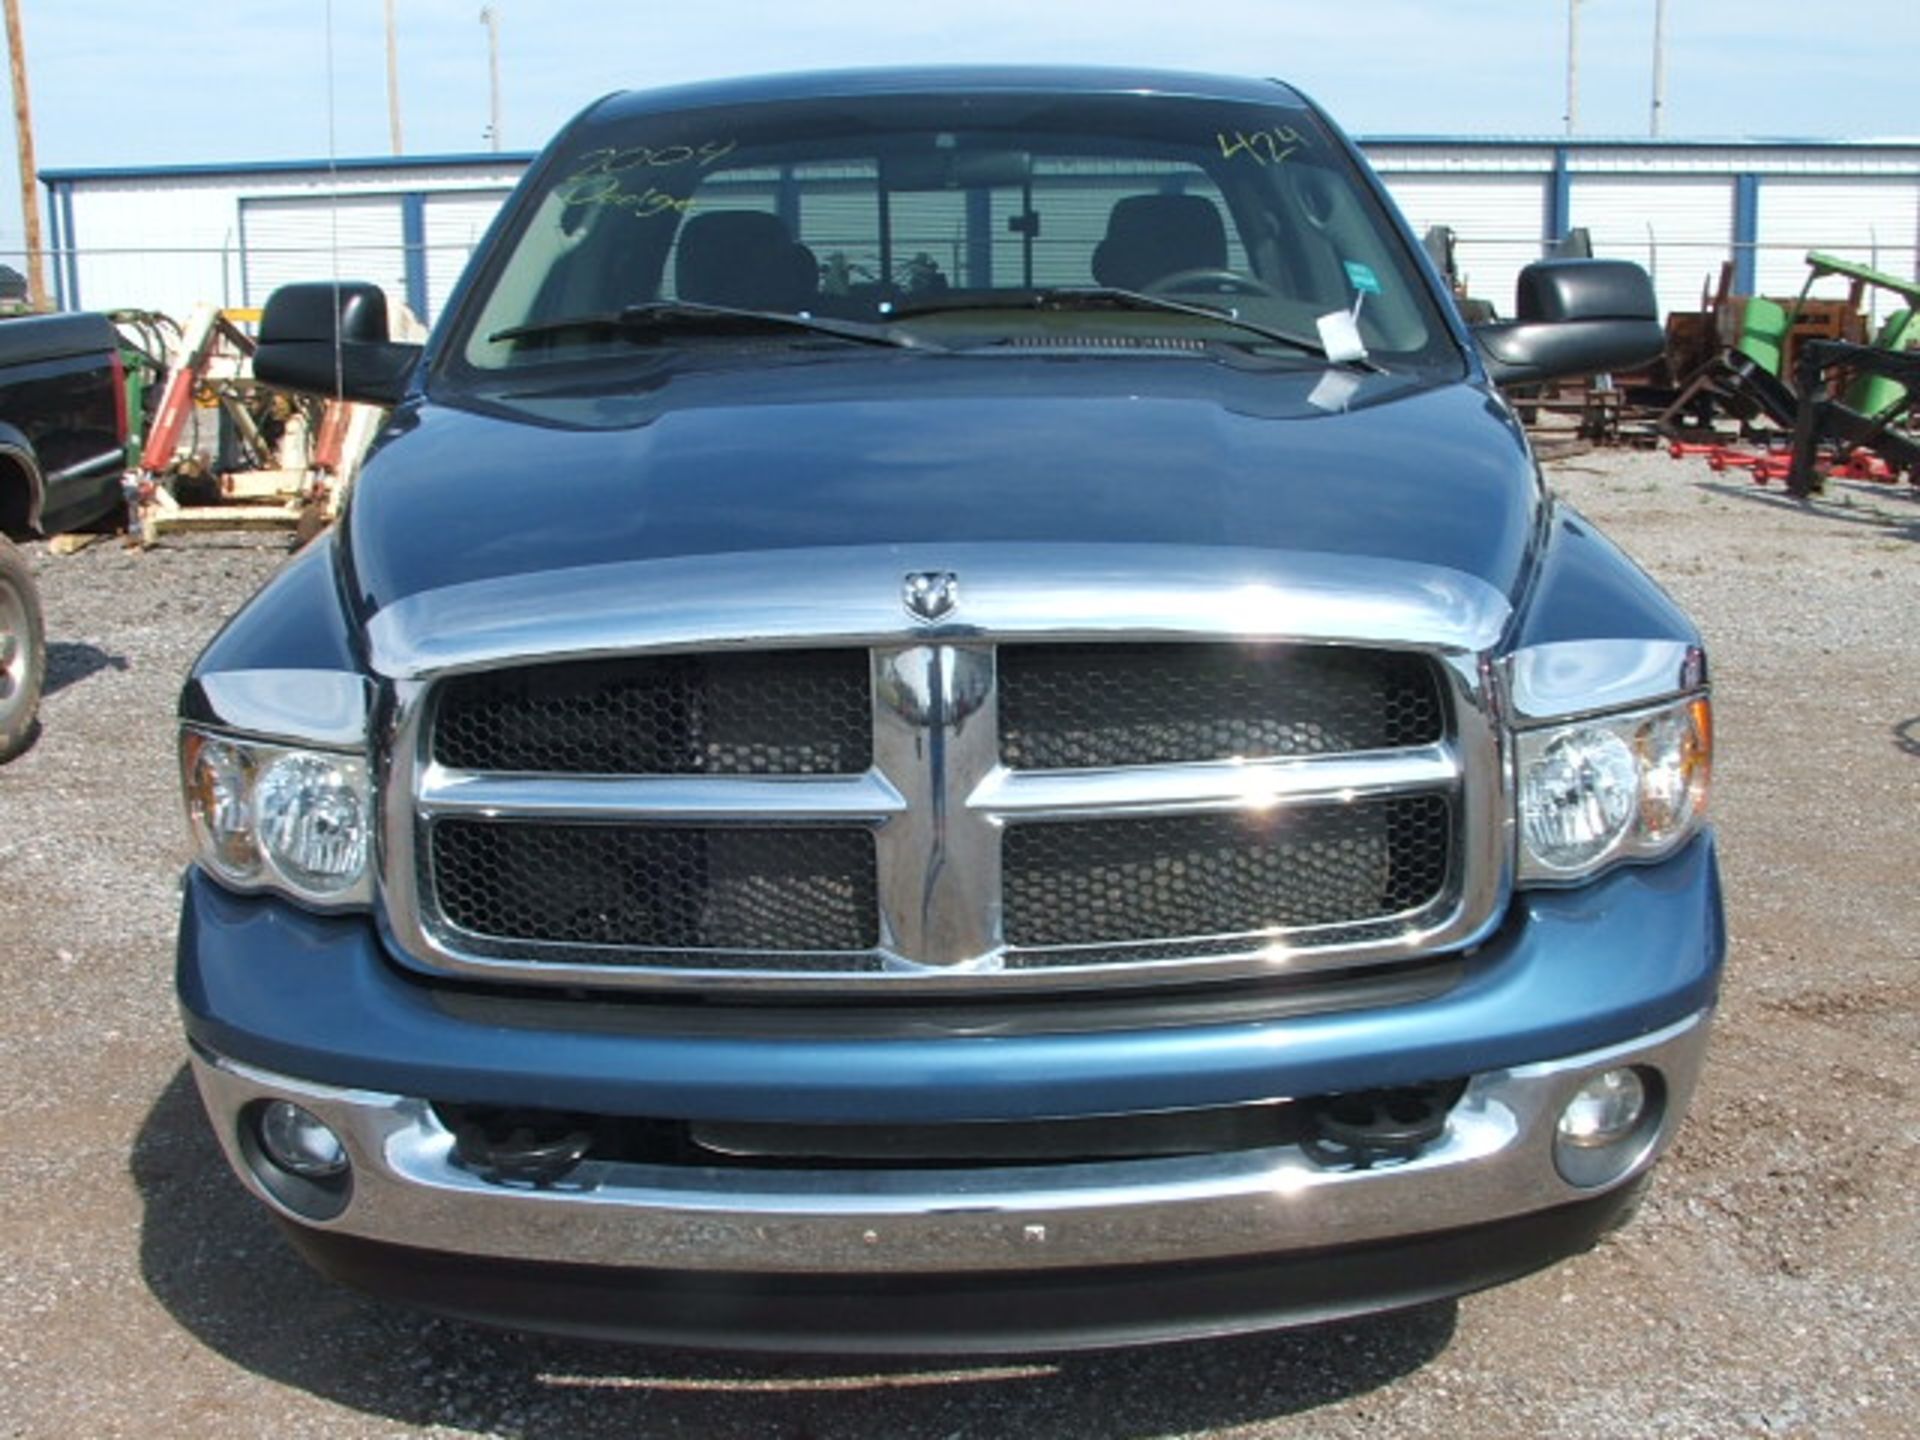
(968, 219)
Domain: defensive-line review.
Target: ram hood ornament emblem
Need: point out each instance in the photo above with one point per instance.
(931, 594)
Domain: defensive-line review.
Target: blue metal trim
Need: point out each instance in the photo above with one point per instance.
(979, 240)
(786, 201)
(1643, 142)
(246, 283)
(318, 998)
(59, 248)
(1746, 232)
(1559, 197)
(483, 160)
(413, 244)
(70, 292)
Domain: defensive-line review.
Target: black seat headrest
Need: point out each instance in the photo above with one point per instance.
(1150, 237)
(744, 259)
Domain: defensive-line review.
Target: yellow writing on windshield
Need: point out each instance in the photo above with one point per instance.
(609, 176)
(607, 190)
(619, 159)
(1268, 147)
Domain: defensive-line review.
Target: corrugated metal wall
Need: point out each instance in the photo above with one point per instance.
(1872, 220)
(1679, 227)
(1499, 223)
(454, 223)
(321, 237)
(167, 241)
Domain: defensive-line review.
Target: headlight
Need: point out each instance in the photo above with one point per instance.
(1616, 787)
(278, 817)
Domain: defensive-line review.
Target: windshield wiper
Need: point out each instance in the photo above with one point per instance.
(1113, 297)
(655, 317)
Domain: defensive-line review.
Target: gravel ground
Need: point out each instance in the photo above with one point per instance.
(1770, 1287)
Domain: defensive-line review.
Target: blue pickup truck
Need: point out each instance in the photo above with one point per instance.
(951, 717)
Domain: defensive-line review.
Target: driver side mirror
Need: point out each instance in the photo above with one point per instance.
(1574, 317)
(320, 338)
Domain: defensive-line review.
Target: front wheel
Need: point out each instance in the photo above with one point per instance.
(23, 651)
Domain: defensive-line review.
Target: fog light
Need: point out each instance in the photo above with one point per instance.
(1604, 1111)
(299, 1142)
(1608, 1126)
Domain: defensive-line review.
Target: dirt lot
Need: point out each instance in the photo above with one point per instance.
(1770, 1287)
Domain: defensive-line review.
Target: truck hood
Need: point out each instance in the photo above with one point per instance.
(927, 459)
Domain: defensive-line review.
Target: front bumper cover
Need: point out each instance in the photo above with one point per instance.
(782, 1231)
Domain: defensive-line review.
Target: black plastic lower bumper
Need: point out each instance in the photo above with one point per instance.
(1024, 1312)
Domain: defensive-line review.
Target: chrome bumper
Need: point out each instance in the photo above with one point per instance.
(1495, 1161)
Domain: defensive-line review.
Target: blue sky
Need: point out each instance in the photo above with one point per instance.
(228, 80)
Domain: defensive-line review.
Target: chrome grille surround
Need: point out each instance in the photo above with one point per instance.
(937, 799)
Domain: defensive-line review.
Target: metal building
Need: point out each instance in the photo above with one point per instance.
(169, 236)
(165, 237)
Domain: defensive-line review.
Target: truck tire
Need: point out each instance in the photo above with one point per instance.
(23, 651)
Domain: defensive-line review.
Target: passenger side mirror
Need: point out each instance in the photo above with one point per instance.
(1574, 317)
(298, 351)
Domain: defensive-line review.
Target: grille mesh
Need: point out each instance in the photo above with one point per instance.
(658, 887)
(800, 712)
(1092, 882)
(1068, 707)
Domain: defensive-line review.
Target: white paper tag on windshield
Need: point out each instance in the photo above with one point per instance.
(1340, 336)
(1335, 389)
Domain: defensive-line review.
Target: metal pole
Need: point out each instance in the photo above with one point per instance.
(29, 175)
(490, 19)
(393, 83)
(1659, 65)
(1573, 66)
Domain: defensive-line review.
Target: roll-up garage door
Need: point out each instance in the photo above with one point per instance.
(454, 225)
(1497, 221)
(316, 237)
(1681, 229)
(1874, 222)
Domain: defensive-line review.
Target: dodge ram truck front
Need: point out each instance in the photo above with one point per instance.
(951, 717)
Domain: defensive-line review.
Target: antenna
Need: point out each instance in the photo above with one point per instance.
(333, 210)
(1659, 66)
(393, 83)
(1573, 66)
(490, 18)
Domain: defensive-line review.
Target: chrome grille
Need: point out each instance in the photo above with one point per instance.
(797, 712)
(1203, 875)
(657, 888)
(1079, 706)
(1028, 815)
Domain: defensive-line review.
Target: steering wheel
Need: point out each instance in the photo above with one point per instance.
(1209, 281)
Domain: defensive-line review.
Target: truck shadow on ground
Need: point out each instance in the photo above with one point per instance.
(214, 1259)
